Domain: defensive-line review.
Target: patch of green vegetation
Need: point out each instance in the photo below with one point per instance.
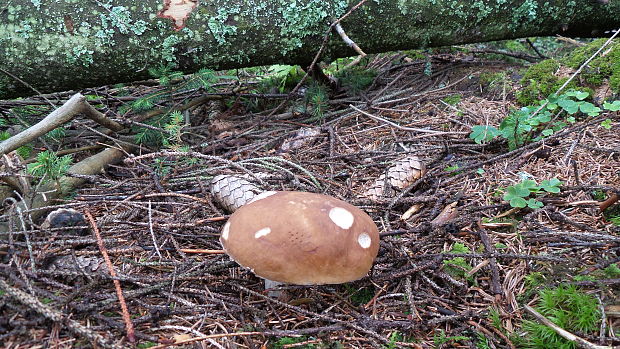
(292, 340)
(453, 169)
(603, 67)
(395, 338)
(598, 195)
(56, 134)
(532, 281)
(612, 271)
(612, 214)
(482, 342)
(166, 130)
(145, 345)
(518, 195)
(50, 166)
(584, 278)
(458, 266)
(453, 99)
(538, 82)
(495, 318)
(567, 307)
(173, 82)
(361, 295)
(316, 101)
(440, 338)
(356, 79)
(493, 80)
(281, 77)
(535, 122)
(541, 80)
(416, 54)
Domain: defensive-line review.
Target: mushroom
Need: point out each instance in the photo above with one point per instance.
(301, 238)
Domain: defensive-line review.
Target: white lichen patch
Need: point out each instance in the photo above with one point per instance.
(225, 231)
(262, 195)
(341, 217)
(364, 240)
(262, 232)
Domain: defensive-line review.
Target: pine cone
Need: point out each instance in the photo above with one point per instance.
(398, 176)
(233, 192)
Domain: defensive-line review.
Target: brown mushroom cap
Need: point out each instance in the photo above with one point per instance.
(302, 238)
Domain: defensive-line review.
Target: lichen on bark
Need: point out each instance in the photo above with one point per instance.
(59, 45)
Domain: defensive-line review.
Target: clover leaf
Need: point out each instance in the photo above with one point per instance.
(548, 132)
(615, 106)
(482, 134)
(534, 204)
(551, 185)
(589, 108)
(578, 94)
(528, 185)
(570, 106)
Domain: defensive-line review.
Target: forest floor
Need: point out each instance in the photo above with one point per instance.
(461, 281)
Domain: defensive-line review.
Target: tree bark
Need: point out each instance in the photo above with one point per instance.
(65, 45)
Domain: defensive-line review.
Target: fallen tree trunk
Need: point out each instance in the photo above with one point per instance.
(64, 45)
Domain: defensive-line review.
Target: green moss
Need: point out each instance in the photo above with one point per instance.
(490, 79)
(569, 308)
(538, 82)
(605, 67)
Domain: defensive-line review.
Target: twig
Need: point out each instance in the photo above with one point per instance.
(529, 42)
(117, 284)
(351, 44)
(153, 232)
(404, 128)
(562, 332)
(211, 336)
(201, 251)
(610, 201)
(75, 105)
(496, 286)
(54, 315)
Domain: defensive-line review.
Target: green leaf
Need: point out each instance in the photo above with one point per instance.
(551, 185)
(518, 202)
(482, 134)
(543, 117)
(570, 106)
(528, 185)
(515, 192)
(534, 204)
(606, 124)
(548, 132)
(577, 94)
(615, 106)
(589, 108)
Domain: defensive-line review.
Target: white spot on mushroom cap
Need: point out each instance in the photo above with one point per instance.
(341, 217)
(364, 240)
(262, 232)
(225, 231)
(262, 195)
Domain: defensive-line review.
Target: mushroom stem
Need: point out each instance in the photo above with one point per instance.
(271, 287)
